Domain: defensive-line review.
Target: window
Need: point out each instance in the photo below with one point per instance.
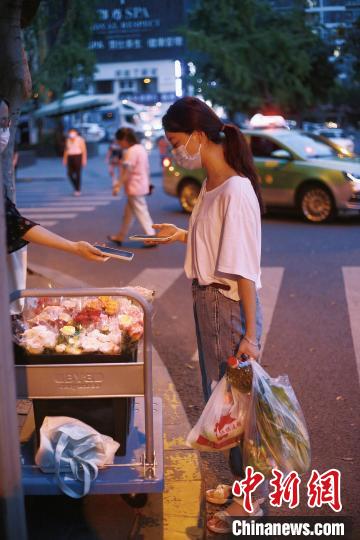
(104, 87)
(263, 147)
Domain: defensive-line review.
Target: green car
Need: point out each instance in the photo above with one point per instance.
(296, 172)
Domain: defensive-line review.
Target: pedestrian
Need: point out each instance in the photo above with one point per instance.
(223, 247)
(135, 177)
(75, 158)
(113, 159)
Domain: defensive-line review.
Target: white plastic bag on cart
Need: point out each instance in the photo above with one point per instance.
(222, 422)
(72, 450)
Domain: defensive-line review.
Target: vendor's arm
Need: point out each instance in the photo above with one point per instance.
(44, 237)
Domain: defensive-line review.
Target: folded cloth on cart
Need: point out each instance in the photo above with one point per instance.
(72, 450)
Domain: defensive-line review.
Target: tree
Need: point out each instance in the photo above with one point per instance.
(15, 83)
(57, 43)
(250, 58)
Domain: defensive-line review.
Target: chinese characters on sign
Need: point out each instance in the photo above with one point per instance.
(321, 489)
(138, 28)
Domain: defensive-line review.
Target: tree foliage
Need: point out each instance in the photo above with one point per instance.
(57, 44)
(250, 58)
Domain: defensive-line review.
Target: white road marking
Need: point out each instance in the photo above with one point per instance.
(351, 275)
(42, 209)
(45, 223)
(40, 215)
(158, 279)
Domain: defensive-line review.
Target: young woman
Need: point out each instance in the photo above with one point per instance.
(135, 177)
(75, 158)
(223, 250)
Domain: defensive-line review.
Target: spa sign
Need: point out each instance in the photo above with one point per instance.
(131, 30)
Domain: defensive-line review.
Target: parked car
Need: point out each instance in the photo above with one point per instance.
(296, 172)
(338, 137)
(91, 131)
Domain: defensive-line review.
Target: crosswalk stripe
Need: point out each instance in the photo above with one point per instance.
(351, 275)
(42, 209)
(45, 223)
(157, 279)
(61, 203)
(38, 215)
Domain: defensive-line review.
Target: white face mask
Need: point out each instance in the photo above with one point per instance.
(186, 160)
(4, 138)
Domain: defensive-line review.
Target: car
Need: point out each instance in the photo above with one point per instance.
(295, 171)
(337, 136)
(341, 151)
(91, 131)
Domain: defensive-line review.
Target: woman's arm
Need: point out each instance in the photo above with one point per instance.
(247, 293)
(167, 230)
(44, 237)
(84, 152)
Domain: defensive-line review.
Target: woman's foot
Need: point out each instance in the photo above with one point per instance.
(220, 522)
(115, 239)
(77, 193)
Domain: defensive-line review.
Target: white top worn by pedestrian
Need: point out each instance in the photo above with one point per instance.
(225, 236)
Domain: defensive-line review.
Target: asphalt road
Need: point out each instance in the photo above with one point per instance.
(310, 335)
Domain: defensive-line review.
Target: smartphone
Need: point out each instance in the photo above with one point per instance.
(116, 253)
(144, 237)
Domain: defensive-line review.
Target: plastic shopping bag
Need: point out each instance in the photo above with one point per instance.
(70, 446)
(275, 434)
(222, 422)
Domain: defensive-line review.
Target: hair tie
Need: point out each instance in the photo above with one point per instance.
(222, 132)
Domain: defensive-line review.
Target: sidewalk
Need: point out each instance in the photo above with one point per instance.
(174, 515)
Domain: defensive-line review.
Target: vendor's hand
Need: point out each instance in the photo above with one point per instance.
(167, 230)
(252, 351)
(89, 252)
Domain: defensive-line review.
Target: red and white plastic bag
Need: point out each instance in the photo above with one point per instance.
(222, 422)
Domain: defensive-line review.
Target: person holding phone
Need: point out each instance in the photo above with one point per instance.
(135, 177)
(223, 249)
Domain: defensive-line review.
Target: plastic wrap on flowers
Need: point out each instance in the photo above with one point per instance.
(102, 325)
(222, 421)
(275, 434)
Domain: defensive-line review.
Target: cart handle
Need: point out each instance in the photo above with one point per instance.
(147, 309)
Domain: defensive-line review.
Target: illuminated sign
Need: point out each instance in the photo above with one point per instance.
(131, 30)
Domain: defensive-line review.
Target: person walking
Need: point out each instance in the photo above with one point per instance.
(223, 250)
(75, 158)
(113, 159)
(135, 177)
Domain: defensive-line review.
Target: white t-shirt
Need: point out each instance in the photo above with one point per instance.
(224, 240)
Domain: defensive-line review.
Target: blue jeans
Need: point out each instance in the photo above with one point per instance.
(220, 325)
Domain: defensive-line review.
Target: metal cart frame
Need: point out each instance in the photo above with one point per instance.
(141, 469)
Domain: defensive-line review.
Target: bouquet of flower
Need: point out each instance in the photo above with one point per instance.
(104, 324)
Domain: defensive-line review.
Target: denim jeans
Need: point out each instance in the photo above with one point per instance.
(220, 325)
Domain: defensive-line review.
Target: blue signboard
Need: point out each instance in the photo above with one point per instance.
(132, 30)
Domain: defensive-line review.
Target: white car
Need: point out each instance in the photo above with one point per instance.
(91, 132)
(337, 137)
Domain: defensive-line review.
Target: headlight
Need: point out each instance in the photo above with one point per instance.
(352, 177)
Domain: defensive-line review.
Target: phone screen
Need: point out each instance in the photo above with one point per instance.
(148, 237)
(113, 252)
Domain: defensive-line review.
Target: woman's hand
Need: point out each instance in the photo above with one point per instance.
(89, 252)
(252, 351)
(169, 231)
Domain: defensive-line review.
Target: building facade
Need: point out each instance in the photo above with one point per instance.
(140, 49)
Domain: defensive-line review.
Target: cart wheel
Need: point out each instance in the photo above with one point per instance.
(135, 500)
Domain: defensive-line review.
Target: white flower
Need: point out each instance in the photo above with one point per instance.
(60, 348)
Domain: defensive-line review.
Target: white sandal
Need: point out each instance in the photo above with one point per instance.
(226, 519)
(220, 495)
